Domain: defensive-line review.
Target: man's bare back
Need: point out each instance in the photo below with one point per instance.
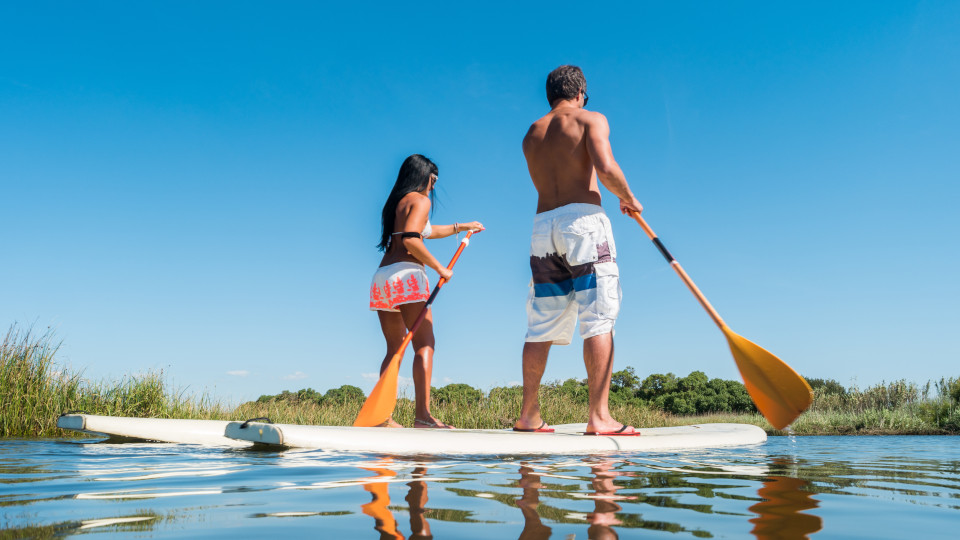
(557, 157)
(563, 149)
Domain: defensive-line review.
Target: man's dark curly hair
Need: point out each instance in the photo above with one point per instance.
(565, 82)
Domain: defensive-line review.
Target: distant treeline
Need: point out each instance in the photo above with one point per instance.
(694, 394)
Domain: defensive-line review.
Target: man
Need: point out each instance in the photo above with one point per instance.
(572, 253)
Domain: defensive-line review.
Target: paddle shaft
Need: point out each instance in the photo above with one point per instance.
(679, 270)
(779, 392)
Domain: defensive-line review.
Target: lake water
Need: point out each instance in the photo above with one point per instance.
(789, 487)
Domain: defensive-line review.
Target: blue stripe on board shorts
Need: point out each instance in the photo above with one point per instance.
(574, 263)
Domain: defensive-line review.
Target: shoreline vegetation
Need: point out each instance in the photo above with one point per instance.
(35, 390)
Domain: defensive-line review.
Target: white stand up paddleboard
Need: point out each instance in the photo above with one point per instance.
(206, 432)
(568, 439)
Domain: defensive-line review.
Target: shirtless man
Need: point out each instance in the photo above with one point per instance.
(572, 254)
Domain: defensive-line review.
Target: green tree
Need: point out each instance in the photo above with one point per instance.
(345, 394)
(657, 385)
(696, 381)
(506, 393)
(574, 390)
(457, 393)
(678, 403)
(826, 387)
(625, 379)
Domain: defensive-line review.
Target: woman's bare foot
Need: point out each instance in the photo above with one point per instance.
(430, 423)
(390, 422)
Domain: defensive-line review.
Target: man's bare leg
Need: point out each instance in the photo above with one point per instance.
(598, 357)
(534, 364)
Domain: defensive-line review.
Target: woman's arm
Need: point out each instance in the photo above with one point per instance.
(443, 231)
(412, 217)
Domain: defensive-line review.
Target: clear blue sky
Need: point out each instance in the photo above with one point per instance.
(196, 187)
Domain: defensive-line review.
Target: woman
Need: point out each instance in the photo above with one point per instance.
(400, 288)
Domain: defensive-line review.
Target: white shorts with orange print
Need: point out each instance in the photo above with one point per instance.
(398, 283)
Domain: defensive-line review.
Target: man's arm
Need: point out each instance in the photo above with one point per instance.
(608, 171)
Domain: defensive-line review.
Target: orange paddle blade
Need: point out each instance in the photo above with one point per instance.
(779, 392)
(383, 398)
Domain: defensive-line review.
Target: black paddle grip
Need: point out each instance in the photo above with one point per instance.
(432, 296)
(663, 250)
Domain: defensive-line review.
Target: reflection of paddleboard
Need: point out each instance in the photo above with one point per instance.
(568, 439)
(118, 428)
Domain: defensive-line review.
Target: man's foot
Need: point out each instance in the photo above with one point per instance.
(542, 429)
(624, 431)
(430, 424)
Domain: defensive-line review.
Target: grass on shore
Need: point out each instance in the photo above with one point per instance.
(34, 391)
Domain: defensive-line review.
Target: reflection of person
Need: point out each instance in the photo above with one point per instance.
(533, 527)
(601, 520)
(417, 499)
(400, 289)
(604, 517)
(572, 253)
(379, 507)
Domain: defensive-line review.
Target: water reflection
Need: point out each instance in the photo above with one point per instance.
(529, 504)
(778, 490)
(780, 513)
(781, 500)
(601, 520)
(417, 500)
(603, 493)
(379, 507)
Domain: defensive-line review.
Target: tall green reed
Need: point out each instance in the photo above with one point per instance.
(34, 390)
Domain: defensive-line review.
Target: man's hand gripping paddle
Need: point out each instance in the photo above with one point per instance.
(379, 405)
(779, 392)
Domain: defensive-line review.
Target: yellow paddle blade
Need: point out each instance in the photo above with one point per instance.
(382, 399)
(779, 392)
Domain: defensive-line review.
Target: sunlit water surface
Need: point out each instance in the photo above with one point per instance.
(790, 487)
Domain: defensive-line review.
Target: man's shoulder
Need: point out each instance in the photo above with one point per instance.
(542, 121)
(536, 130)
(592, 117)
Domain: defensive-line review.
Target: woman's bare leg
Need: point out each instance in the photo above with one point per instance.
(391, 323)
(423, 347)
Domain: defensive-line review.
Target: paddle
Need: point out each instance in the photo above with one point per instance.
(779, 392)
(383, 398)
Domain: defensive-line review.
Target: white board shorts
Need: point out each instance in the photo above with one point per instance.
(573, 260)
(396, 284)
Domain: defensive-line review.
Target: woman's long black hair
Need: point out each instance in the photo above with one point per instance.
(414, 176)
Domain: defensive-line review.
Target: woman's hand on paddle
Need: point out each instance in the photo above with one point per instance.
(445, 273)
(471, 226)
